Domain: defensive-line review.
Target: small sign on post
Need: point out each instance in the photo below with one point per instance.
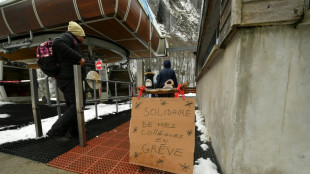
(162, 133)
(98, 65)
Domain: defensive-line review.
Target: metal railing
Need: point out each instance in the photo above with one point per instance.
(116, 98)
(79, 100)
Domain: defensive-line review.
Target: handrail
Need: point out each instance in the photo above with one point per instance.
(112, 81)
(49, 103)
(107, 98)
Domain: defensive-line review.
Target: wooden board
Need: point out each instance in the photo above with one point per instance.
(271, 12)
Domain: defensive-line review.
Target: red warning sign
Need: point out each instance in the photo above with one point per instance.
(98, 65)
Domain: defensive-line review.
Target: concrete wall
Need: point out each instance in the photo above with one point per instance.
(256, 100)
(216, 95)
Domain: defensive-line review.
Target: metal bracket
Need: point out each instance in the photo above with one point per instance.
(5, 59)
(10, 47)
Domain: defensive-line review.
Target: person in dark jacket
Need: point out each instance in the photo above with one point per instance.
(166, 74)
(66, 48)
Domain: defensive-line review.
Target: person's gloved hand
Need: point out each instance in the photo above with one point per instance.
(82, 62)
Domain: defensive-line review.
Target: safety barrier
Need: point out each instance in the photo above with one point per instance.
(116, 98)
(79, 100)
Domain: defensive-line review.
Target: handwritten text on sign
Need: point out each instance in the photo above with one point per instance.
(162, 133)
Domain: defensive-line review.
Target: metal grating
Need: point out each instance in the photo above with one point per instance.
(98, 166)
(98, 151)
(82, 162)
(107, 153)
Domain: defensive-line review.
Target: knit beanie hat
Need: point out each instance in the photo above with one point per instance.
(75, 29)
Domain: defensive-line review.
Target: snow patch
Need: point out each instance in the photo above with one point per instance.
(28, 132)
(204, 147)
(163, 30)
(190, 95)
(5, 103)
(205, 136)
(4, 115)
(205, 166)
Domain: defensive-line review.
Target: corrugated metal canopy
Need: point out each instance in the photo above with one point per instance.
(122, 23)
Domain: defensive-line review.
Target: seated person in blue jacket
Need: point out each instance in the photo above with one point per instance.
(166, 74)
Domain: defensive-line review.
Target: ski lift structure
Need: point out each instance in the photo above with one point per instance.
(117, 32)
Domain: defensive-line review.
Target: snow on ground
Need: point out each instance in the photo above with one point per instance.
(103, 109)
(202, 166)
(190, 95)
(5, 103)
(6, 127)
(204, 137)
(205, 147)
(28, 132)
(4, 115)
(205, 166)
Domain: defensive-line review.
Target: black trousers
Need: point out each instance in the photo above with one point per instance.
(68, 120)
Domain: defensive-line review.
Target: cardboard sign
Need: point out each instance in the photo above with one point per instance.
(162, 133)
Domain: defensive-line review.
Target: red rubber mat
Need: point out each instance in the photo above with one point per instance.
(107, 154)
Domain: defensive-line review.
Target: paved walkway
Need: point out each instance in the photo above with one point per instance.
(10, 164)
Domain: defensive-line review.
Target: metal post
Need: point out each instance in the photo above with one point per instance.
(34, 101)
(134, 91)
(79, 104)
(140, 73)
(129, 90)
(116, 97)
(107, 89)
(57, 99)
(3, 95)
(48, 95)
(130, 94)
(150, 41)
(95, 98)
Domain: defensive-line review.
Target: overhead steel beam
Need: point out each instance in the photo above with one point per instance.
(176, 49)
(91, 41)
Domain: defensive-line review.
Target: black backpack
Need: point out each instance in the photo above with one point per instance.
(45, 59)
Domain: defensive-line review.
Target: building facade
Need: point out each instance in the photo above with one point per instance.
(253, 84)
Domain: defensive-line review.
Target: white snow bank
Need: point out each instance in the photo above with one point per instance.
(205, 166)
(5, 103)
(205, 136)
(190, 95)
(4, 115)
(204, 147)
